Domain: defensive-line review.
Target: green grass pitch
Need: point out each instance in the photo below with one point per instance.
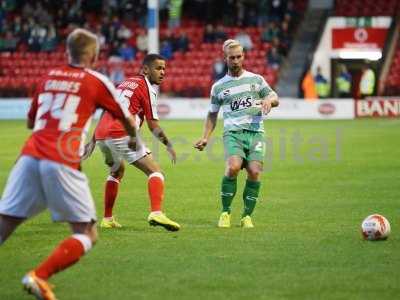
(322, 178)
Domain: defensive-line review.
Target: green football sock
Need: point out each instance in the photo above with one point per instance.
(250, 196)
(228, 191)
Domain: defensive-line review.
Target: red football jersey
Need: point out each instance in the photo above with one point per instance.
(62, 110)
(139, 97)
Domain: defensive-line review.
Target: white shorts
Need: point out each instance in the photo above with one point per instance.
(116, 150)
(34, 185)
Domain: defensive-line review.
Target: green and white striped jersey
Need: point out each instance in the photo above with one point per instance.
(240, 98)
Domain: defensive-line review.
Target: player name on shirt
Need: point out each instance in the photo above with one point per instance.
(61, 112)
(62, 85)
(62, 73)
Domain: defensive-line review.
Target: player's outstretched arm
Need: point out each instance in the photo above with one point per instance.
(159, 133)
(209, 126)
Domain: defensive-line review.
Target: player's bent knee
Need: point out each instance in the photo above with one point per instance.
(85, 240)
(233, 170)
(93, 234)
(118, 174)
(157, 174)
(254, 174)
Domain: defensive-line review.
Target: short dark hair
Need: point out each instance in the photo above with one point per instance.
(150, 58)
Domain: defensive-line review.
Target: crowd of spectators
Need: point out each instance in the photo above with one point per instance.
(42, 25)
(277, 18)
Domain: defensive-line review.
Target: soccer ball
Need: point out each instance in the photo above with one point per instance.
(375, 227)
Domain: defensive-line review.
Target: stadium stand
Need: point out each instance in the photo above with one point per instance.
(32, 37)
(393, 78)
(368, 8)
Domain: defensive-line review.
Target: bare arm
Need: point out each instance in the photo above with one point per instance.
(30, 123)
(159, 133)
(209, 126)
(273, 97)
(130, 125)
(89, 147)
(269, 102)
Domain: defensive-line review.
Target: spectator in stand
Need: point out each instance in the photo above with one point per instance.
(40, 13)
(175, 11)
(166, 49)
(367, 82)
(61, 18)
(343, 82)
(8, 42)
(277, 9)
(219, 69)
(116, 70)
(263, 12)
(126, 52)
(321, 84)
(8, 5)
(111, 6)
(180, 41)
(284, 38)
(240, 12)
(27, 10)
(142, 41)
(37, 35)
(289, 20)
(105, 28)
(114, 48)
(244, 39)
(25, 34)
(209, 36)
(100, 36)
(219, 34)
(291, 11)
(277, 44)
(127, 10)
(274, 59)
(124, 33)
(17, 26)
(168, 36)
(271, 31)
(113, 27)
(77, 18)
(50, 41)
(251, 17)
(308, 87)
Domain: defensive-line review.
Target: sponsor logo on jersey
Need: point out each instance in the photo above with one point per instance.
(226, 93)
(242, 103)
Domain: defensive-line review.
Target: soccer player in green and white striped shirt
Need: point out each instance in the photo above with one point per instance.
(245, 98)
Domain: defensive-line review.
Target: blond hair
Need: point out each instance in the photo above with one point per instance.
(80, 43)
(229, 44)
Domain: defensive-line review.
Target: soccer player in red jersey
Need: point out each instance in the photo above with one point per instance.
(139, 96)
(47, 173)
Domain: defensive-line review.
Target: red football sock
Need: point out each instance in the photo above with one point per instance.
(110, 194)
(156, 190)
(65, 255)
